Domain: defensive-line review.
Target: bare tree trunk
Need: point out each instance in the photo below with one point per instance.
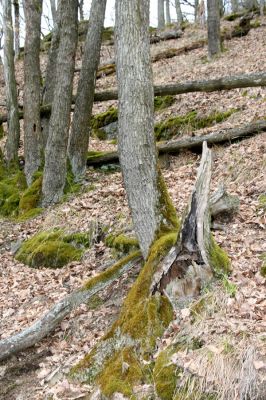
(12, 142)
(234, 6)
(32, 79)
(179, 15)
(53, 10)
(16, 13)
(136, 143)
(56, 148)
(196, 10)
(79, 138)
(167, 12)
(50, 78)
(81, 11)
(214, 37)
(161, 20)
(262, 6)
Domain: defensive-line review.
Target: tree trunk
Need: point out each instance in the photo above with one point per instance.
(179, 16)
(214, 37)
(167, 12)
(196, 10)
(79, 138)
(136, 143)
(12, 142)
(262, 7)
(16, 14)
(81, 12)
(32, 79)
(56, 149)
(234, 6)
(50, 78)
(161, 20)
(53, 11)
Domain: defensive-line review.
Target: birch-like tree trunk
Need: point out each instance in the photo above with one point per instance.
(56, 149)
(17, 31)
(79, 138)
(179, 16)
(196, 9)
(12, 142)
(167, 12)
(32, 79)
(53, 11)
(161, 19)
(214, 37)
(136, 143)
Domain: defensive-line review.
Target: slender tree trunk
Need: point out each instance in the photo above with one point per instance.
(50, 78)
(16, 13)
(136, 143)
(196, 5)
(167, 11)
(81, 11)
(79, 138)
(179, 15)
(262, 6)
(161, 20)
(214, 38)
(12, 143)
(56, 148)
(32, 79)
(234, 6)
(53, 10)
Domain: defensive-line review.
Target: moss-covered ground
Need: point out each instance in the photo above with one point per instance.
(53, 249)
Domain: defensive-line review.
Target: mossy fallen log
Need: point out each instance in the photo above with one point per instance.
(187, 143)
(46, 324)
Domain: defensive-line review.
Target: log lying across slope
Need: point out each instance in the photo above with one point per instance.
(195, 142)
(225, 83)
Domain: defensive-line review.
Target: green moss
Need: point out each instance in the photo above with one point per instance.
(255, 24)
(105, 118)
(219, 260)
(122, 243)
(52, 249)
(120, 373)
(31, 196)
(108, 34)
(12, 183)
(34, 212)
(262, 202)
(166, 374)
(263, 265)
(95, 302)
(170, 220)
(2, 132)
(95, 154)
(233, 16)
(162, 102)
(190, 122)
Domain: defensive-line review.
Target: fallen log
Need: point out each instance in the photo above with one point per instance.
(225, 83)
(41, 328)
(187, 143)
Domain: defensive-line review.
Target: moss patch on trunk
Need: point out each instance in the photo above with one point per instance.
(53, 249)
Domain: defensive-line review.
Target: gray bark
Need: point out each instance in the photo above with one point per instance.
(167, 12)
(161, 19)
(53, 10)
(136, 144)
(32, 79)
(56, 148)
(50, 78)
(214, 37)
(12, 142)
(234, 6)
(16, 14)
(262, 6)
(196, 5)
(179, 15)
(45, 325)
(79, 138)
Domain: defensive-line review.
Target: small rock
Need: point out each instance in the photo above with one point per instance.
(15, 246)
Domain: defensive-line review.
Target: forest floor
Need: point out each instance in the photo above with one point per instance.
(235, 316)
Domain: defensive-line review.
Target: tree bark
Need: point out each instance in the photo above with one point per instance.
(56, 148)
(136, 143)
(45, 325)
(167, 12)
(187, 143)
(179, 15)
(12, 117)
(79, 138)
(161, 19)
(81, 11)
(50, 78)
(17, 32)
(32, 78)
(53, 11)
(214, 36)
(234, 6)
